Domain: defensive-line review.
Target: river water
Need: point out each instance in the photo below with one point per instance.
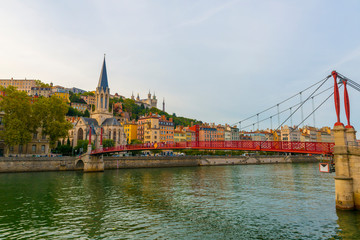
(280, 201)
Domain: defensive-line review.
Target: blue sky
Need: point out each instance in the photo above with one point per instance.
(217, 61)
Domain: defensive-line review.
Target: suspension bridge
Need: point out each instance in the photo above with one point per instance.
(317, 90)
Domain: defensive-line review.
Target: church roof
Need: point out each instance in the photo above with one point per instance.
(103, 80)
(111, 122)
(91, 121)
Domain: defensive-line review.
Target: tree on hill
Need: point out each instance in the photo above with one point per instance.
(76, 98)
(88, 94)
(18, 123)
(42, 84)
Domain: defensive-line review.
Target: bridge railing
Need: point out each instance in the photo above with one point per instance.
(275, 146)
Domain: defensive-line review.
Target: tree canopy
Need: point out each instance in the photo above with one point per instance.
(49, 113)
(17, 119)
(23, 117)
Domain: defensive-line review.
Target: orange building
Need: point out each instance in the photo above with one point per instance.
(207, 133)
(220, 133)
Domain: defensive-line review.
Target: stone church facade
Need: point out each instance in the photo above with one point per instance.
(101, 119)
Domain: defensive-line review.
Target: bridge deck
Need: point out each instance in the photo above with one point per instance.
(269, 146)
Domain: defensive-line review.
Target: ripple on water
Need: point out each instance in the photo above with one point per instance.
(284, 201)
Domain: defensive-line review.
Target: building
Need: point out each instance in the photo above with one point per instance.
(149, 129)
(75, 90)
(62, 95)
(311, 132)
(325, 135)
(101, 119)
(196, 130)
(154, 128)
(148, 102)
(231, 133)
(179, 134)
(40, 91)
(82, 107)
(166, 129)
(220, 133)
(89, 99)
(21, 84)
(59, 88)
(207, 133)
(190, 134)
(290, 134)
(130, 129)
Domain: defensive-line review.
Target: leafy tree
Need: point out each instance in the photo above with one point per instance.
(135, 141)
(84, 145)
(18, 124)
(42, 84)
(88, 94)
(86, 113)
(64, 150)
(49, 113)
(76, 98)
(108, 143)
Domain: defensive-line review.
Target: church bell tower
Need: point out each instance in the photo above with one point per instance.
(102, 96)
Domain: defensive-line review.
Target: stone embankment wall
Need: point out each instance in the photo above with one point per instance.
(211, 161)
(72, 163)
(32, 164)
(149, 162)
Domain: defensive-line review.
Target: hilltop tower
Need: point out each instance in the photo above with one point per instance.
(163, 105)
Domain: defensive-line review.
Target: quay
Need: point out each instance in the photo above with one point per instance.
(31, 164)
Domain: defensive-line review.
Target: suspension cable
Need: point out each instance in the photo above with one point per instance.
(284, 100)
(305, 100)
(297, 104)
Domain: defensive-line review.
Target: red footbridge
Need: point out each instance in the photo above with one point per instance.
(265, 146)
(263, 116)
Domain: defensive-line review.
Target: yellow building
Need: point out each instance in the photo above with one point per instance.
(154, 128)
(62, 95)
(130, 129)
(179, 134)
(190, 135)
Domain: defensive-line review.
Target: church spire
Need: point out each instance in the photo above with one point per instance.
(103, 80)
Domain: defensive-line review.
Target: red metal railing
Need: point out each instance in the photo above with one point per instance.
(269, 146)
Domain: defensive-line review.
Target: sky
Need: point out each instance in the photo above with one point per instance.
(219, 61)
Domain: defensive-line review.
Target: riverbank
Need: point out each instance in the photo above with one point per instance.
(32, 164)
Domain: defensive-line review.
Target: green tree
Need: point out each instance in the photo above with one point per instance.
(42, 84)
(18, 123)
(86, 113)
(108, 143)
(83, 145)
(135, 141)
(49, 113)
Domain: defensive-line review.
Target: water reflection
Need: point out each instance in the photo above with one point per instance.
(283, 201)
(349, 224)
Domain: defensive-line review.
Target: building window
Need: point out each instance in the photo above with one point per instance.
(35, 136)
(33, 148)
(43, 148)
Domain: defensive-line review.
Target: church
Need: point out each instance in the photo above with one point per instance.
(101, 119)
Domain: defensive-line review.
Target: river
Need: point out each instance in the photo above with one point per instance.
(277, 201)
